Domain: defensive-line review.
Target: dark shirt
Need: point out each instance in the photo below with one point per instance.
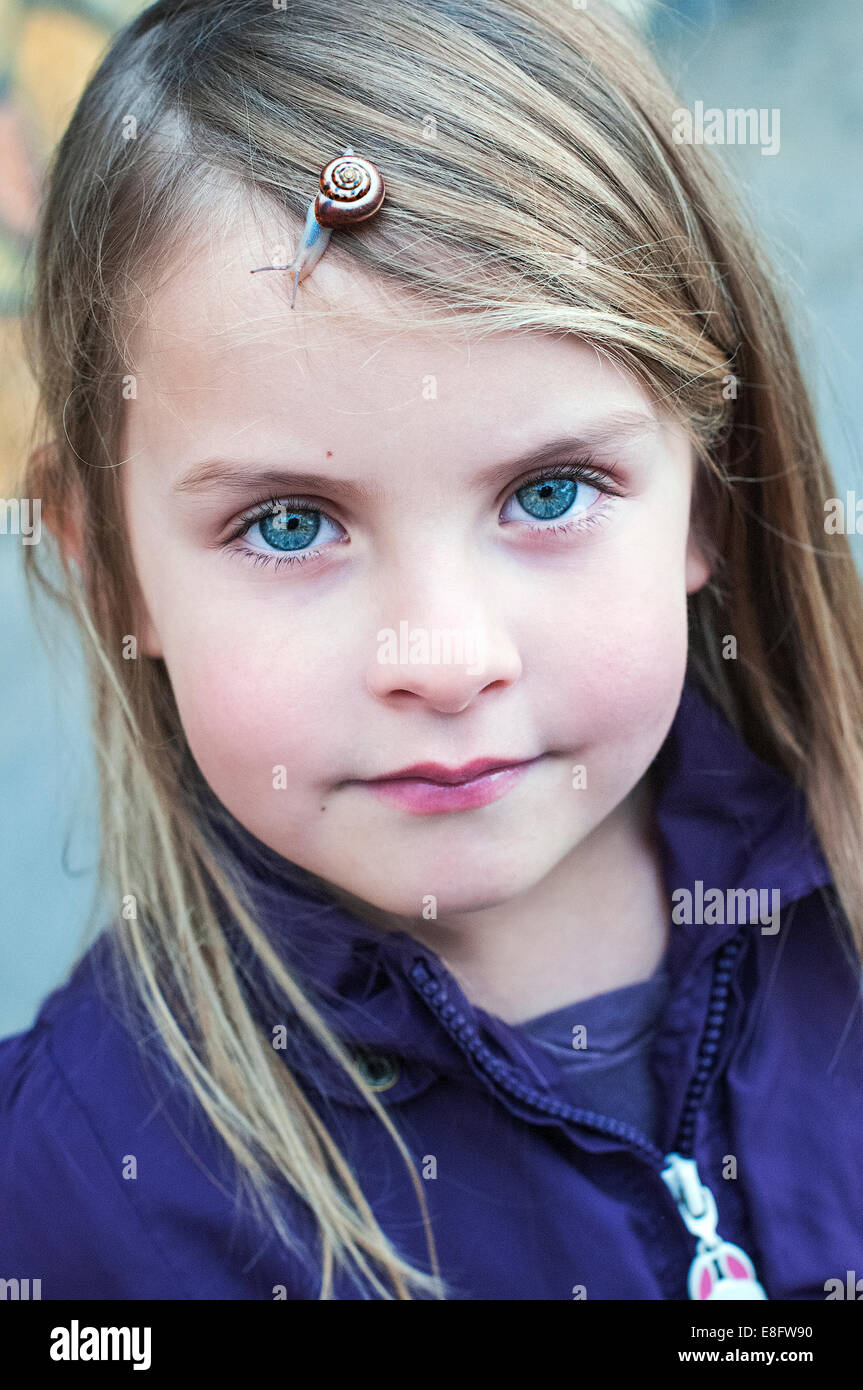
(604, 1064)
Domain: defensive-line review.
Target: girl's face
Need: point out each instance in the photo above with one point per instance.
(419, 596)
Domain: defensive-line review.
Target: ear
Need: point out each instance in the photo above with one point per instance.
(66, 525)
(150, 644)
(698, 565)
(700, 549)
(143, 626)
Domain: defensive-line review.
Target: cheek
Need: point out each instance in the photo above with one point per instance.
(615, 658)
(251, 702)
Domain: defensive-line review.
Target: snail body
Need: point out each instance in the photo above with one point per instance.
(352, 189)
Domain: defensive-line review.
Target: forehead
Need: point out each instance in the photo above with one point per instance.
(218, 351)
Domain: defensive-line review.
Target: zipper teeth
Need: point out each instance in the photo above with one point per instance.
(710, 1040)
(468, 1037)
(466, 1034)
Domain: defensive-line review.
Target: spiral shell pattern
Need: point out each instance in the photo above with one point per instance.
(352, 189)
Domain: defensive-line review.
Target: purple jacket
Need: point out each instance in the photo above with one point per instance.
(758, 1061)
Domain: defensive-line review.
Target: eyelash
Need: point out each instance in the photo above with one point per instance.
(579, 470)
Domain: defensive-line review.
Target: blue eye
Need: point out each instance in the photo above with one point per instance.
(555, 494)
(290, 528)
(549, 498)
(283, 527)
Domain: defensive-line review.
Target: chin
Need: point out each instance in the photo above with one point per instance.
(443, 893)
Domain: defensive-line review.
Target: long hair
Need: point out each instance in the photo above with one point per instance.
(534, 184)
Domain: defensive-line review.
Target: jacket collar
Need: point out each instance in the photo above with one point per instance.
(727, 819)
(723, 818)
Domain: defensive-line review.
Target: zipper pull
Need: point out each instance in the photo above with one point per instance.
(720, 1270)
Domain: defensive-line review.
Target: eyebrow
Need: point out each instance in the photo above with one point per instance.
(232, 477)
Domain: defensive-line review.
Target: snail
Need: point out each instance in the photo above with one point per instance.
(352, 190)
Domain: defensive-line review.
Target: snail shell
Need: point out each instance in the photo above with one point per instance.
(352, 189)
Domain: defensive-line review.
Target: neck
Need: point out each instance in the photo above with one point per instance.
(586, 928)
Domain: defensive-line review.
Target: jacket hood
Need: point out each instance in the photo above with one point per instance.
(724, 819)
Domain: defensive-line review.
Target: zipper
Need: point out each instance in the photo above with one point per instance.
(720, 1270)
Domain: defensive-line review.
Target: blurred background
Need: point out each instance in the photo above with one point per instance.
(808, 200)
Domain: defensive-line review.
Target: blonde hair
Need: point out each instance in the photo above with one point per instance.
(533, 184)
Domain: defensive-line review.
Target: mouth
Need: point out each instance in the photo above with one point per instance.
(428, 788)
(450, 776)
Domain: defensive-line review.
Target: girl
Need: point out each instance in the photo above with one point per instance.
(477, 690)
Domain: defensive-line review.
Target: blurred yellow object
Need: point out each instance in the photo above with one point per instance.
(57, 53)
(46, 58)
(17, 404)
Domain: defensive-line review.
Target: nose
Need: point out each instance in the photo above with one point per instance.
(443, 645)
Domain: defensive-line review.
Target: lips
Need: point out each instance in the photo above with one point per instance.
(431, 788)
(450, 776)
